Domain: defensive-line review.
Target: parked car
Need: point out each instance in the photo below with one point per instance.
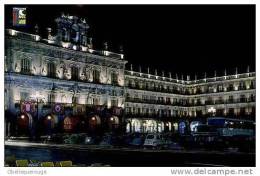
(106, 141)
(154, 141)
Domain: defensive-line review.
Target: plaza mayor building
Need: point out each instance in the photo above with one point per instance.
(61, 83)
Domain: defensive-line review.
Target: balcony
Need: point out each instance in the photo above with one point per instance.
(23, 35)
(187, 92)
(187, 104)
(26, 71)
(154, 89)
(231, 101)
(115, 83)
(51, 75)
(29, 73)
(72, 108)
(147, 101)
(242, 88)
(148, 115)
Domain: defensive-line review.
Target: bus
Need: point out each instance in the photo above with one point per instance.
(228, 127)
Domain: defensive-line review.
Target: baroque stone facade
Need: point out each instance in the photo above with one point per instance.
(61, 83)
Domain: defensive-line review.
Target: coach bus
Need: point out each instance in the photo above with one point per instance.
(229, 127)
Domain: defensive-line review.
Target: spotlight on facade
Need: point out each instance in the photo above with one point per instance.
(37, 38)
(167, 124)
(65, 45)
(93, 118)
(112, 118)
(212, 110)
(22, 116)
(49, 117)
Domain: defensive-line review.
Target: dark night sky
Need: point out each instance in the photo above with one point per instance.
(183, 39)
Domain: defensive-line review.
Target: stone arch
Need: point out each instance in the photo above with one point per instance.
(136, 125)
(25, 123)
(67, 124)
(49, 123)
(113, 122)
(182, 127)
(167, 127)
(160, 127)
(50, 120)
(94, 122)
(150, 126)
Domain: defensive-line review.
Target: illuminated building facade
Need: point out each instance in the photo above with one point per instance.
(61, 84)
(160, 103)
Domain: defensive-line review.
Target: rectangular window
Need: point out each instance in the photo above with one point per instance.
(114, 93)
(96, 76)
(51, 98)
(220, 88)
(134, 110)
(114, 78)
(95, 101)
(230, 99)
(51, 72)
(114, 102)
(74, 73)
(139, 110)
(169, 113)
(168, 100)
(25, 66)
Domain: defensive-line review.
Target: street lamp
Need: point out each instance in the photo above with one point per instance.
(49, 117)
(49, 126)
(22, 116)
(38, 98)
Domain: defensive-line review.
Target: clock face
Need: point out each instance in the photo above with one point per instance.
(57, 108)
(27, 106)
